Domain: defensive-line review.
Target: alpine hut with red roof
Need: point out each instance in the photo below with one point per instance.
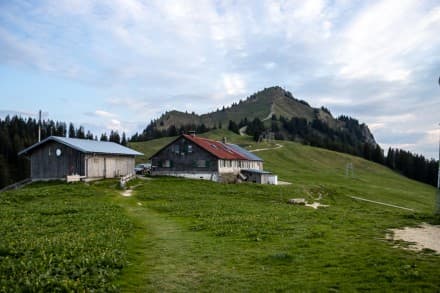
(201, 158)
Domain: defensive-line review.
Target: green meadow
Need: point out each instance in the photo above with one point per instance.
(175, 235)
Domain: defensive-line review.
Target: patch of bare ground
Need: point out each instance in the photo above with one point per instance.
(425, 236)
(316, 205)
(283, 183)
(127, 192)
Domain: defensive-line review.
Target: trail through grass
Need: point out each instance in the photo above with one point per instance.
(203, 236)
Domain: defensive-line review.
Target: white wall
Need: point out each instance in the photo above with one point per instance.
(234, 166)
(213, 176)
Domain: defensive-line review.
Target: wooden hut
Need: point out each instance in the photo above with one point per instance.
(56, 157)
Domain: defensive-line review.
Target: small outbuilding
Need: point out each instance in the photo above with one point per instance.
(56, 157)
(259, 176)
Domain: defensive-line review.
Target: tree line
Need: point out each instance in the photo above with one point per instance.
(17, 133)
(152, 131)
(347, 140)
(414, 166)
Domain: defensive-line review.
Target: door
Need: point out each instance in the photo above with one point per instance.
(110, 167)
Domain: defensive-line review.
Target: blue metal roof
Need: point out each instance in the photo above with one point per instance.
(245, 153)
(87, 146)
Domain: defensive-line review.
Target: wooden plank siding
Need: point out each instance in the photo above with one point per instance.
(45, 164)
(108, 166)
(184, 156)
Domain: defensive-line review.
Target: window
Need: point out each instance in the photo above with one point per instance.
(177, 149)
(166, 164)
(201, 163)
(50, 152)
(190, 149)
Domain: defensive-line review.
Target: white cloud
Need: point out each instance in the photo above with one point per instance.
(114, 124)
(103, 113)
(270, 65)
(335, 101)
(370, 60)
(234, 84)
(432, 136)
(381, 40)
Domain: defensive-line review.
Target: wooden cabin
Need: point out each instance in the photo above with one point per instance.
(56, 157)
(200, 158)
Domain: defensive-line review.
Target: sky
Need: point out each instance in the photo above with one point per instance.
(117, 64)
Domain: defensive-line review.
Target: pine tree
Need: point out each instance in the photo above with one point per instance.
(114, 136)
(233, 127)
(124, 139)
(80, 132)
(89, 135)
(72, 133)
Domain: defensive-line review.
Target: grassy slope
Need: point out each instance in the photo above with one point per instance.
(190, 235)
(215, 237)
(59, 237)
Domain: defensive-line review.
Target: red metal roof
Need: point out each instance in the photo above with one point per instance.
(216, 148)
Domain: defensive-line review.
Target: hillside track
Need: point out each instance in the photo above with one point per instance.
(278, 146)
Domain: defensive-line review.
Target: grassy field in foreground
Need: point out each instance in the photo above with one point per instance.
(177, 235)
(203, 236)
(56, 237)
(213, 237)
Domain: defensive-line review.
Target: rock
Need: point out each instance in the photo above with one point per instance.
(300, 201)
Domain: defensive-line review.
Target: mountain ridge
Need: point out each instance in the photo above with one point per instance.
(262, 105)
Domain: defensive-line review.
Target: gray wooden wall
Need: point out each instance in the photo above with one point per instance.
(46, 164)
(184, 161)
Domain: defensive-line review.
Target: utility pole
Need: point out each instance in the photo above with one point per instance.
(437, 208)
(39, 126)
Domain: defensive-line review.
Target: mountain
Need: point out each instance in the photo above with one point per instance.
(270, 110)
(261, 105)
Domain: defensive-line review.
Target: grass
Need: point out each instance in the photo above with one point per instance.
(58, 237)
(178, 235)
(211, 237)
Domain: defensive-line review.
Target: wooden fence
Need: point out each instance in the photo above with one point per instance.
(126, 178)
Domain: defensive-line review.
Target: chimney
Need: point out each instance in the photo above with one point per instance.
(192, 133)
(224, 140)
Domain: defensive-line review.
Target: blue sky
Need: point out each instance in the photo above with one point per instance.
(117, 64)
